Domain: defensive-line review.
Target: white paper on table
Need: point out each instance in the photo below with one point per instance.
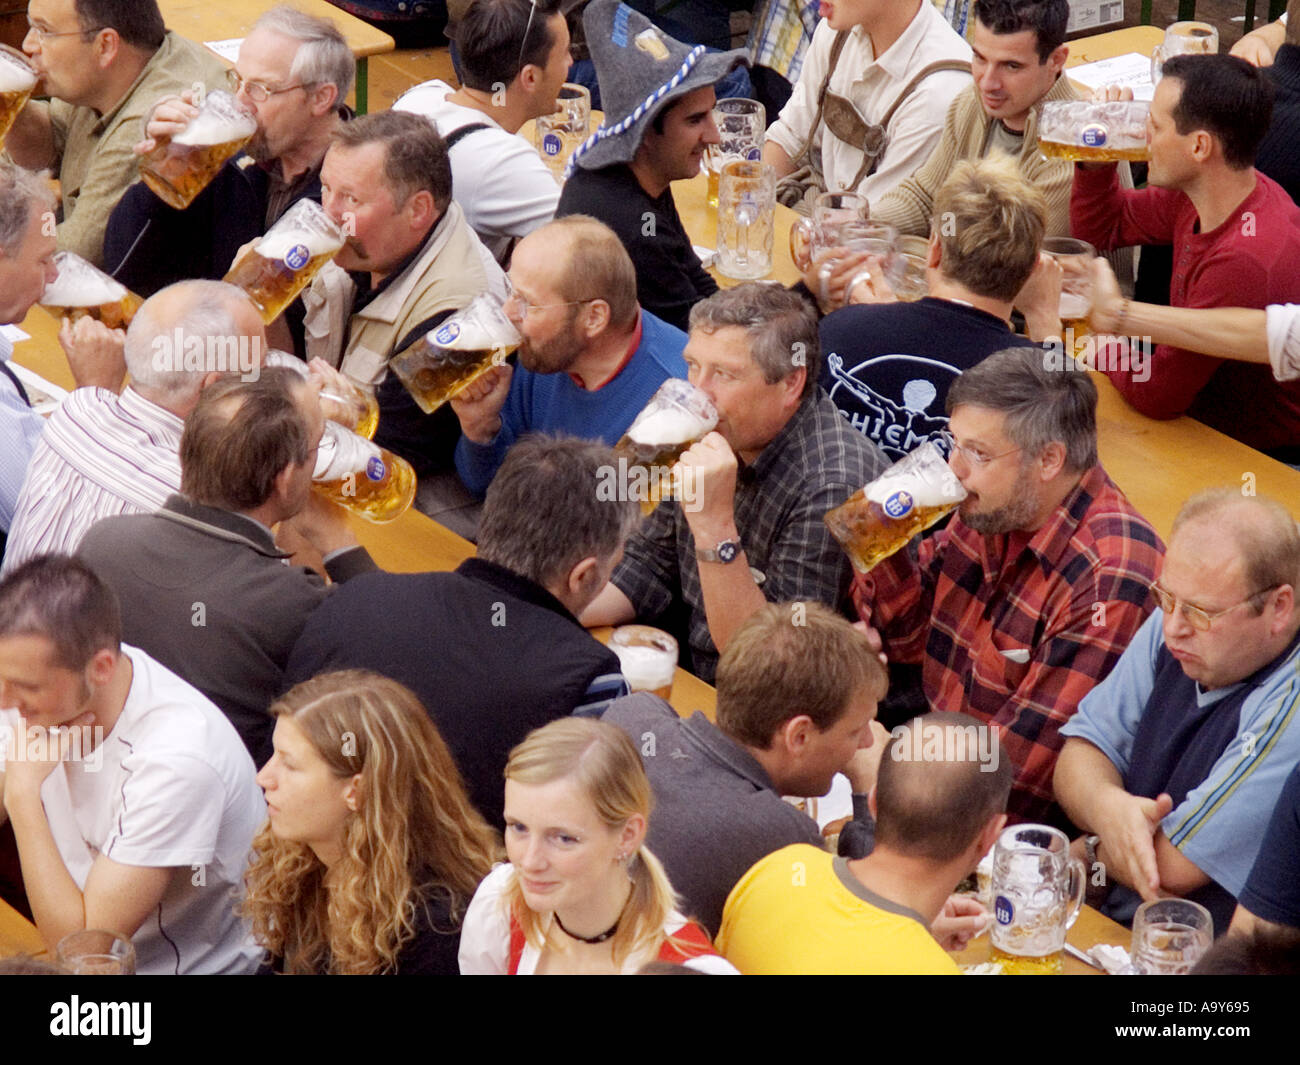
(45, 396)
(13, 334)
(1131, 70)
(227, 49)
(705, 255)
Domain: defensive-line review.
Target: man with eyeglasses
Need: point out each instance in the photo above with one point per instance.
(1175, 762)
(1027, 598)
(293, 73)
(591, 357)
(103, 63)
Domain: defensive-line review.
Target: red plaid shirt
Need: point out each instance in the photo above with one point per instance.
(1064, 600)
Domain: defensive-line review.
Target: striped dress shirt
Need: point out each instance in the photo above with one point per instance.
(101, 455)
(1015, 629)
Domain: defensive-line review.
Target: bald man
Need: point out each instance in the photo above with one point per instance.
(591, 355)
(1175, 761)
(939, 804)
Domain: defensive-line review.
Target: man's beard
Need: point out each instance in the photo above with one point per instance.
(554, 355)
(258, 149)
(1017, 514)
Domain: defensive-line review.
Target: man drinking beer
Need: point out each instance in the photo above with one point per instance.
(1030, 594)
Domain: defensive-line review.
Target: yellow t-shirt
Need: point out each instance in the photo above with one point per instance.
(800, 910)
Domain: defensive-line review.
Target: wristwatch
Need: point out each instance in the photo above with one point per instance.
(725, 551)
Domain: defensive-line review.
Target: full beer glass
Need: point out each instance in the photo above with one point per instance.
(565, 128)
(1075, 258)
(1037, 891)
(83, 290)
(677, 416)
(178, 169)
(457, 353)
(1085, 131)
(819, 231)
(1183, 38)
(17, 81)
(647, 658)
(1170, 935)
(286, 258)
(741, 125)
(358, 474)
(909, 497)
(343, 401)
(746, 220)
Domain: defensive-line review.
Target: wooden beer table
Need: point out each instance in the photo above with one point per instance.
(1091, 929)
(1140, 39)
(203, 20)
(17, 934)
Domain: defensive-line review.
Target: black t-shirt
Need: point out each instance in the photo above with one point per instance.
(887, 367)
(1272, 890)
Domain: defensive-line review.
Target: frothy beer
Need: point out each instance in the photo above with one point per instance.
(179, 169)
(369, 480)
(906, 499)
(1083, 131)
(82, 290)
(17, 81)
(456, 353)
(677, 416)
(647, 658)
(285, 260)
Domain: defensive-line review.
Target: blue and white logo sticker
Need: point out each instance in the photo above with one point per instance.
(1094, 136)
(552, 145)
(1003, 910)
(899, 505)
(298, 257)
(754, 154)
(375, 469)
(447, 333)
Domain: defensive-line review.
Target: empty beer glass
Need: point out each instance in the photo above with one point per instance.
(647, 658)
(1183, 38)
(909, 497)
(746, 220)
(179, 168)
(677, 416)
(560, 132)
(17, 81)
(93, 952)
(1170, 935)
(284, 261)
(1075, 258)
(457, 353)
(81, 289)
(1037, 891)
(741, 124)
(1088, 131)
(358, 474)
(819, 231)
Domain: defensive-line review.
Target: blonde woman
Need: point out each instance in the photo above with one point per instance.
(371, 850)
(580, 894)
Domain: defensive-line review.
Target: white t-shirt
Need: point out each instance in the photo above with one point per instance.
(498, 178)
(1283, 324)
(174, 788)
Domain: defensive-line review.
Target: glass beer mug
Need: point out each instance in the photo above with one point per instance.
(647, 657)
(746, 220)
(17, 82)
(457, 353)
(1037, 892)
(283, 262)
(1094, 131)
(564, 129)
(358, 474)
(741, 124)
(342, 400)
(819, 231)
(181, 167)
(909, 497)
(1183, 38)
(1170, 936)
(80, 290)
(676, 416)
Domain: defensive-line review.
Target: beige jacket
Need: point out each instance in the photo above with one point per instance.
(453, 268)
(966, 133)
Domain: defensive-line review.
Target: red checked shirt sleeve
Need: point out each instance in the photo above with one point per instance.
(897, 596)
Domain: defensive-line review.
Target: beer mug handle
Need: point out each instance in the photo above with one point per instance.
(801, 239)
(1157, 63)
(1079, 885)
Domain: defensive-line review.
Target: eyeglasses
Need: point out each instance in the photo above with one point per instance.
(43, 35)
(974, 456)
(523, 43)
(1200, 619)
(513, 296)
(256, 90)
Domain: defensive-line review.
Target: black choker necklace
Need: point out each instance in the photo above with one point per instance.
(589, 939)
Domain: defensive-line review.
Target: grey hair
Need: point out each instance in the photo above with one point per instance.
(780, 328)
(21, 192)
(210, 311)
(1263, 529)
(1042, 405)
(545, 510)
(323, 58)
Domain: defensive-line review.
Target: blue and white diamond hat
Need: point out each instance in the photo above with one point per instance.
(641, 70)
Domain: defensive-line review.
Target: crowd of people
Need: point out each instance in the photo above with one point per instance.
(227, 734)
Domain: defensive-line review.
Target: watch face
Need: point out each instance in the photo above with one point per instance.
(728, 550)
